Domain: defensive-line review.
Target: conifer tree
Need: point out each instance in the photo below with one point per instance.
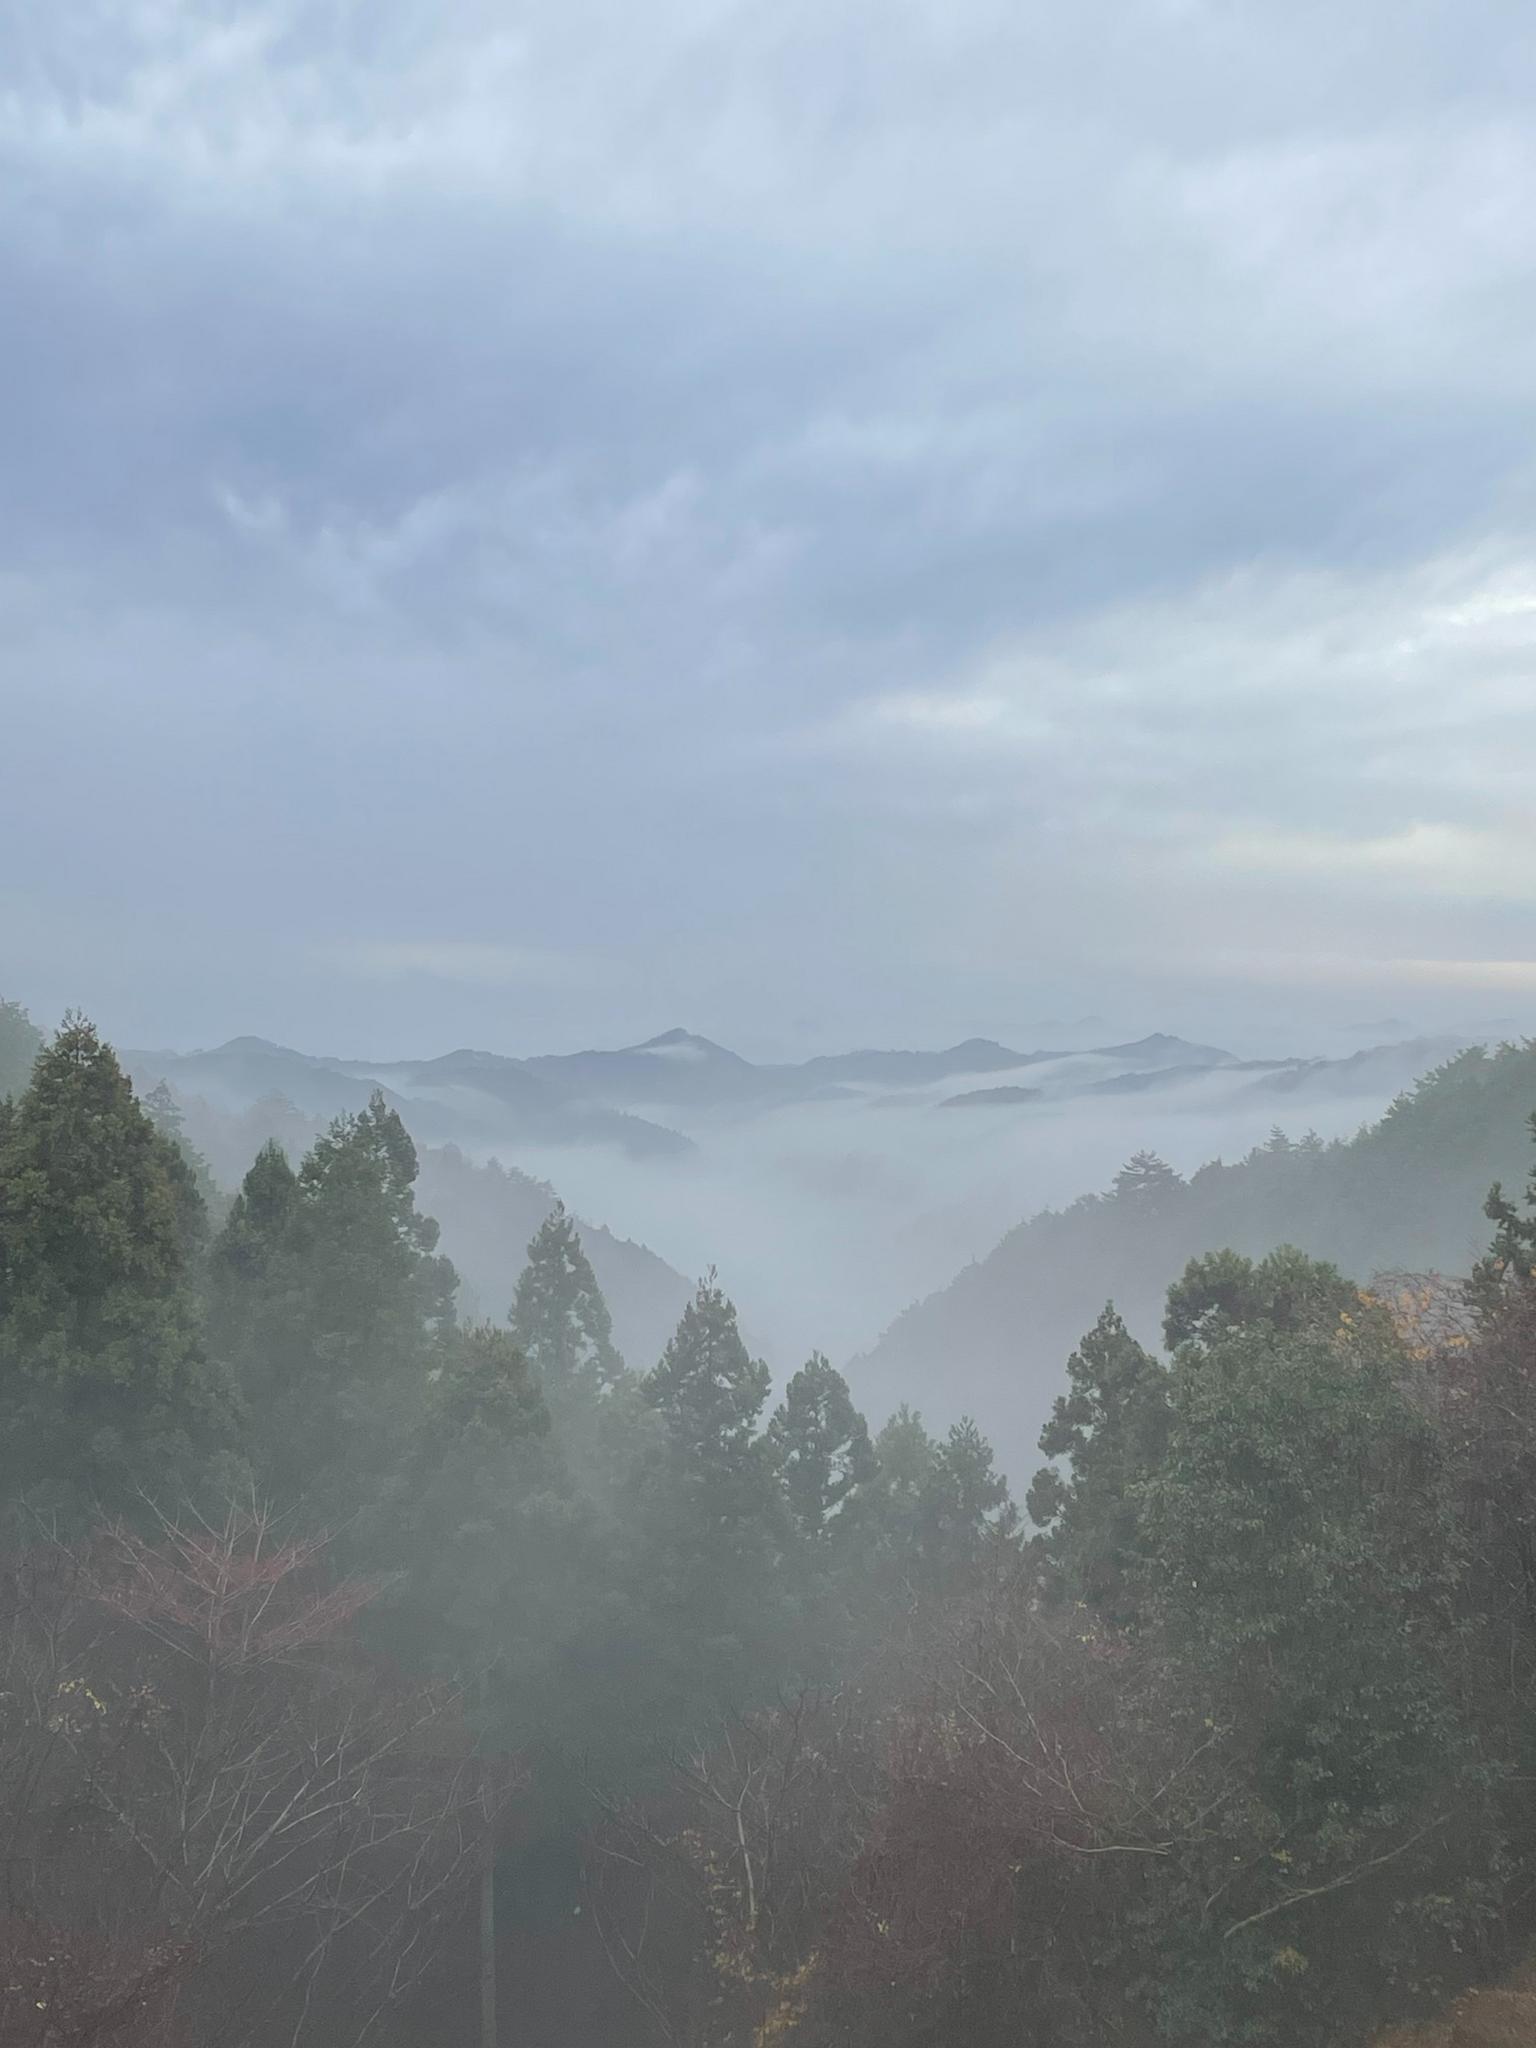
(707, 1520)
(965, 1505)
(460, 1515)
(820, 1446)
(904, 1455)
(377, 1279)
(560, 1318)
(165, 1113)
(1512, 1255)
(106, 1388)
(1112, 1426)
(329, 1300)
(710, 1392)
(1146, 1180)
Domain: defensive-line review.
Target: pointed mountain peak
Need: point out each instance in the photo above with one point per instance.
(680, 1044)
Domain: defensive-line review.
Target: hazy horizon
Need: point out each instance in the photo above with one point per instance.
(1296, 1032)
(530, 532)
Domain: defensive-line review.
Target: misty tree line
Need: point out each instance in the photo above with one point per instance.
(324, 1616)
(271, 1450)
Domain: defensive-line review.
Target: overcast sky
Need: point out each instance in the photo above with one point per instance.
(525, 524)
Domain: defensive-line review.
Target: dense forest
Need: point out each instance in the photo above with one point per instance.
(1405, 1192)
(372, 1672)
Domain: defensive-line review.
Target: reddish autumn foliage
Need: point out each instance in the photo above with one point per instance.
(214, 1804)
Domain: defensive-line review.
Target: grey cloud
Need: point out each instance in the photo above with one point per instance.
(470, 477)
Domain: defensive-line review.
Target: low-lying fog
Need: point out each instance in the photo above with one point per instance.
(826, 1219)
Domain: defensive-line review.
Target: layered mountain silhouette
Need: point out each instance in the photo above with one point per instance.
(644, 1098)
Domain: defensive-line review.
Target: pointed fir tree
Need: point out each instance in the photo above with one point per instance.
(106, 1387)
(1111, 1427)
(1509, 1264)
(965, 1508)
(1146, 1181)
(377, 1278)
(461, 1519)
(560, 1318)
(258, 1315)
(709, 1391)
(820, 1447)
(707, 1521)
(936, 1508)
(329, 1299)
(165, 1113)
(904, 1455)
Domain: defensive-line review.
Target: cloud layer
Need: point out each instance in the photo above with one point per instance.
(812, 521)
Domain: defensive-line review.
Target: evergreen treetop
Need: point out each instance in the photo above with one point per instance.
(559, 1316)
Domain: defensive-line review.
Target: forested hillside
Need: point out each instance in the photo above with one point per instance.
(372, 1673)
(486, 1212)
(1404, 1193)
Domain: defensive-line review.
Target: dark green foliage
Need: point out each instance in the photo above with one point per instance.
(1512, 1254)
(560, 1318)
(1237, 1754)
(328, 1299)
(376, 1277)
(20, 1044)
(1147, 1181)
(1403, 1195)
(106, 1388)
(904, 1454)
(820, 1447)
(1285, 1292)
(1112, 1426)
(1302, 1558)
(164, 1112)
(935, 1510)
(964, 1509)
(705, 1503)
(464, 1520)
(709, 1391)
(1294, 1497)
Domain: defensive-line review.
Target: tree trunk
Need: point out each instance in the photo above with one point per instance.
(488, 2037)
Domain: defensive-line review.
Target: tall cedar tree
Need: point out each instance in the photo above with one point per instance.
(820, 1447)
(466, 1519)
(560, 1317)
(107, 1393)
(710, 1393)
(164, 1112)
(965, 1510)
(1112, 1424)
(904, 1454)
(934, 1509)
(709, 1517)
(329, 1299)
(1512, 1255)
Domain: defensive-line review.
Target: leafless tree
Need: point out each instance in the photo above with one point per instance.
(220, 1816)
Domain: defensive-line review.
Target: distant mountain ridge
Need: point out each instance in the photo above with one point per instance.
(633, 1097)
(465, 1097)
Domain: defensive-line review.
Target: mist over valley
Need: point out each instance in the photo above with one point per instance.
(832, 1195)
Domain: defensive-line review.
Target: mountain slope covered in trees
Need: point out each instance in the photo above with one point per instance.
(1403, 1193)
(363, 1663)
(487, 1212)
